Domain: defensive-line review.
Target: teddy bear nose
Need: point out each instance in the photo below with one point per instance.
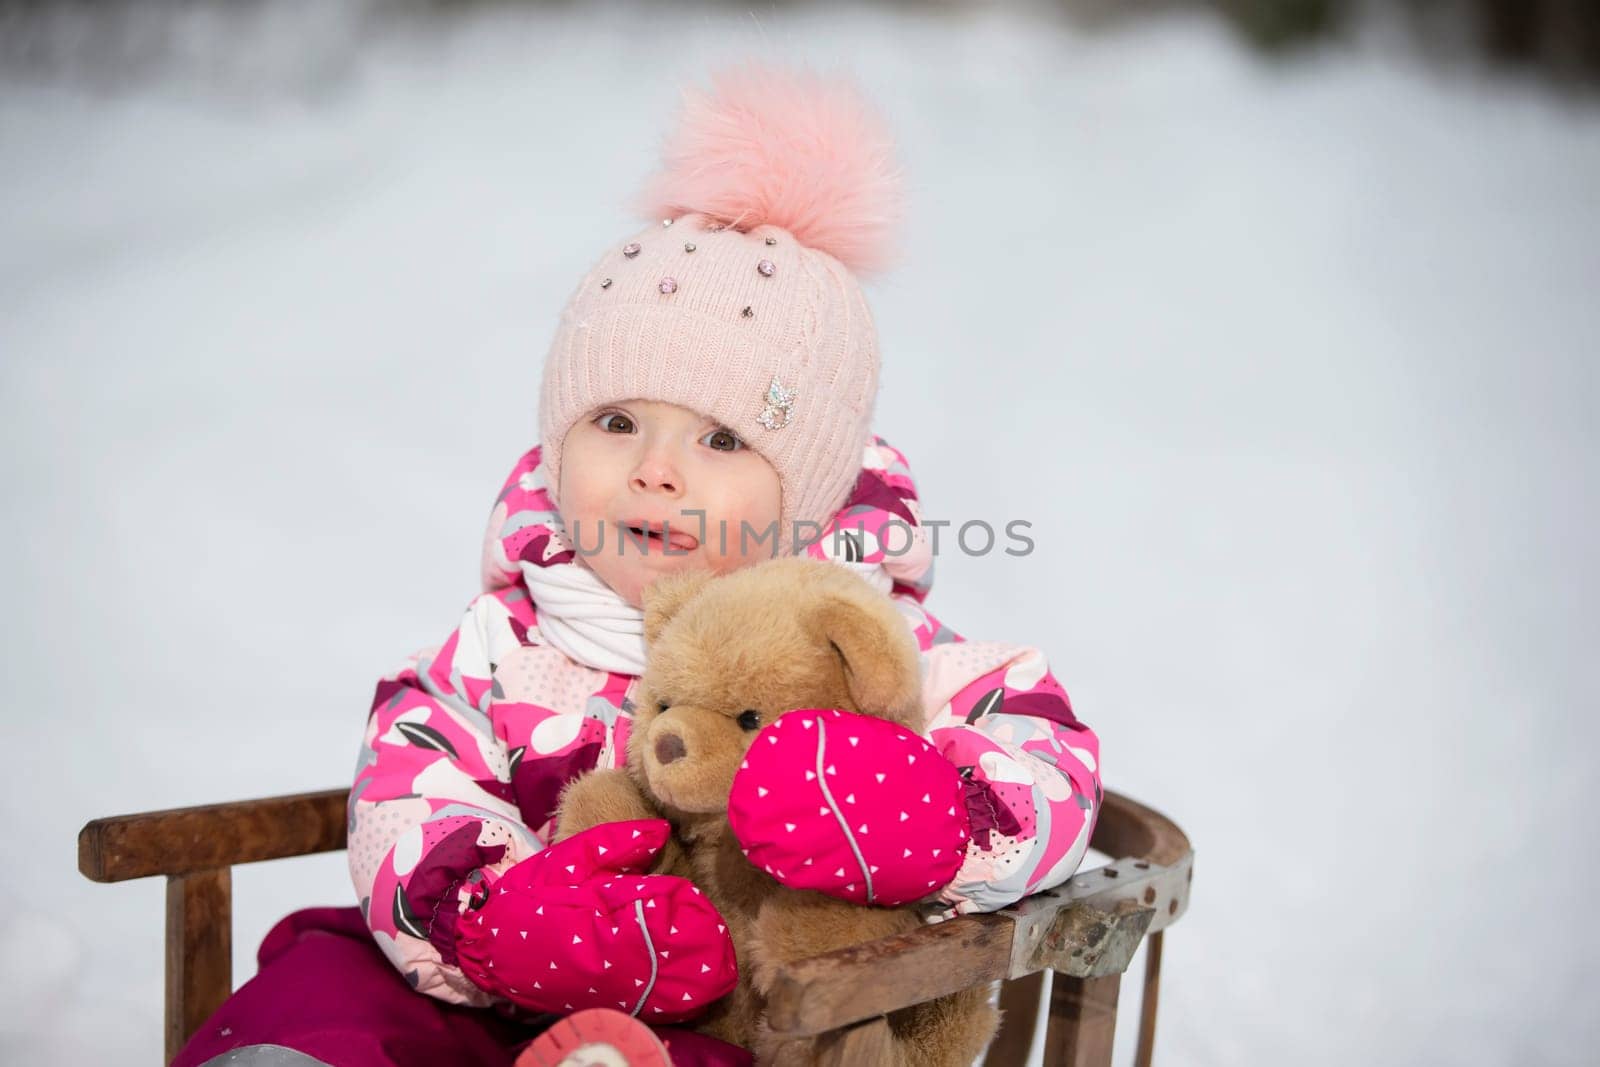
(669, 747)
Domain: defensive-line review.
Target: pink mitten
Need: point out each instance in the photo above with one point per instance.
(579, 926)
(856, 807)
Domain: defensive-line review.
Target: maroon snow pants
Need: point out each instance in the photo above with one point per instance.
(325, 990)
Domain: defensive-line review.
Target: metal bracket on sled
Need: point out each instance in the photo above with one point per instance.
(1091, 925)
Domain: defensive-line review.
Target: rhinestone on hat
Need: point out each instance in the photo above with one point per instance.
(780, 402)
(630, 249)
(688, 246)
(772, 240)
(767, 268)
(668, 285)
(666, 222)
(606, 284)
(747, 312)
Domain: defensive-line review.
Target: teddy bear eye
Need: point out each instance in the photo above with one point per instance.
(662, 707)
(749, 720)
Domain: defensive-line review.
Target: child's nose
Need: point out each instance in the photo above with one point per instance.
(658, 472)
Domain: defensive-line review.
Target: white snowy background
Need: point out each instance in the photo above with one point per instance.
(1290, 365)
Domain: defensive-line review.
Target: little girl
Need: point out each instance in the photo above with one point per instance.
(706, 404)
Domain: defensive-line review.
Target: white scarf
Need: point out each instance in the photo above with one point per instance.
(585, 618)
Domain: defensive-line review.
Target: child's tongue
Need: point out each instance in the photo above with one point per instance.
(654, 539)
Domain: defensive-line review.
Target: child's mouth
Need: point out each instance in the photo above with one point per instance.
(651, 536)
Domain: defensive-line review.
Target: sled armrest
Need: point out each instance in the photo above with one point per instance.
(1083, 933)
(189, 840)
(1086, 928)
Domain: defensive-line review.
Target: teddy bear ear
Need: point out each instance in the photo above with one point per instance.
(880, 657)
(666, 596)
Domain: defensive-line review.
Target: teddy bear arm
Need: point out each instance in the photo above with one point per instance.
(612, 796)
(600, 797)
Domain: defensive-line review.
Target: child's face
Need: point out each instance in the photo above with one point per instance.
(638, 463)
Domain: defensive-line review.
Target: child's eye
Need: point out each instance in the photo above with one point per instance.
(749, 720)
(724, 440)
(607, 422)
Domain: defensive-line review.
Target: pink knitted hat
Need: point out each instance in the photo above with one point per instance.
(740, 301)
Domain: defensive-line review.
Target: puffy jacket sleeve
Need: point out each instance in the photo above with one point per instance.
(457, 778)
(432, 812)
(1032, 769)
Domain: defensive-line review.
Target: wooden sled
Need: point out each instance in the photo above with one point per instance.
(1082, 934)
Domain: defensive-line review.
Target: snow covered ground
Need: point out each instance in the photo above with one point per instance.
(1292, 368)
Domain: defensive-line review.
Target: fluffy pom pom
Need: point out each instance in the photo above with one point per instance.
(784, 148)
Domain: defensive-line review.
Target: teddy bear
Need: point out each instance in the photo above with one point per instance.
(789, 645)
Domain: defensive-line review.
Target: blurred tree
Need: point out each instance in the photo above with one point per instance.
(1561, 36)
(1279, 24)
(1557, 38)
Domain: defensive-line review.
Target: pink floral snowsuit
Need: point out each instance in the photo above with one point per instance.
(469, 744)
